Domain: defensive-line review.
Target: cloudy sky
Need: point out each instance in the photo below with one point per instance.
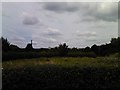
(48, 24)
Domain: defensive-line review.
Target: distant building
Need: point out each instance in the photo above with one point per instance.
(29, 46)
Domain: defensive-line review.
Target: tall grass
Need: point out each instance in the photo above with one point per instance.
(64, 72)
(100, 62)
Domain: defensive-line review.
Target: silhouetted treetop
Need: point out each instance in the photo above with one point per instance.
(62, 49)
(5, 44)
(29, 46)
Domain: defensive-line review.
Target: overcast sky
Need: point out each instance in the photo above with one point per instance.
(48, 24)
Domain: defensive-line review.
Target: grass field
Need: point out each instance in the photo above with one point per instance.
(61, 72)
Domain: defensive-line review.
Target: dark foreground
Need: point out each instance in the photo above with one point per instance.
(55, 77)
(51, 75)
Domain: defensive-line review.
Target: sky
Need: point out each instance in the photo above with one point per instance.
(79, 24)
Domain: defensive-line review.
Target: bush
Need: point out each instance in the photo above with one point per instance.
(81, 54)
(19, 55)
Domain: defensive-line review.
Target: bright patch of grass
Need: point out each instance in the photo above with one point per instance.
(85, 62)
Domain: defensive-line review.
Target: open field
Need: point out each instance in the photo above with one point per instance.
(61, 72)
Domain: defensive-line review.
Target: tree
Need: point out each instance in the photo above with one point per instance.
(115, 42)
(5, 44)
(95, 49)
(63, 49)
(14, 47)
(87, 49)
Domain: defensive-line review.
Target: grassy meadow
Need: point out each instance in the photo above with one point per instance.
(61, 72)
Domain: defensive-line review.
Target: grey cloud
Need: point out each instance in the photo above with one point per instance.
(5, 15)
(46, 42)
(89, 19)
(52, 32)
(112, 17)
(86, 34)
(119, 19)
(30, 21)
(93, 11)
(49, 40)
(34, 42)
(49, 37)
(63, 20)
(101, 11)
(119, 10)
(60, 7)
(18, 40)
(91, 39)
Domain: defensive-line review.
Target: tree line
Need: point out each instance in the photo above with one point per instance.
(10, 51)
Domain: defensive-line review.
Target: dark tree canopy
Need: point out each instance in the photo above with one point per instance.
(11, 51)
(14, 47)
(62, 49)
(5, 44)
